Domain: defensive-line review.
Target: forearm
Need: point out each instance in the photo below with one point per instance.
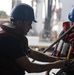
(42, 57)
(35, 67)
(44, 67)
(41, 67)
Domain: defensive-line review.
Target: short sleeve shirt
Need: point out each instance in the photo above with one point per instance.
(12, 48)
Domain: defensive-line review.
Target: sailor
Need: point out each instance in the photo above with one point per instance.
(14, 49)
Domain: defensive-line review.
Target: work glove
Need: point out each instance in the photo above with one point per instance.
(70, 36)
(65, 26)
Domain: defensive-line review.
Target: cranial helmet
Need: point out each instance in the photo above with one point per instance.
(71, 15)
(22, 12)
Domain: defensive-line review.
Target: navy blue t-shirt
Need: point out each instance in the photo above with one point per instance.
(12, 48)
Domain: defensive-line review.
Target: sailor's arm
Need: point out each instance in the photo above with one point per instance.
(42, 57)
(34, 67)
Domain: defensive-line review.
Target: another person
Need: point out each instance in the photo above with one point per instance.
(14, 49)
(65, 48)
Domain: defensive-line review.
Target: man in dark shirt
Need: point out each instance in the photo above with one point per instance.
(14, 49)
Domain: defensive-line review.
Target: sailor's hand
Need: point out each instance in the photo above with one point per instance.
(59, 63)
(69, 63)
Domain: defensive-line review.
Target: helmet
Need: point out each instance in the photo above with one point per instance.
(22, 12)
(71, 15)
